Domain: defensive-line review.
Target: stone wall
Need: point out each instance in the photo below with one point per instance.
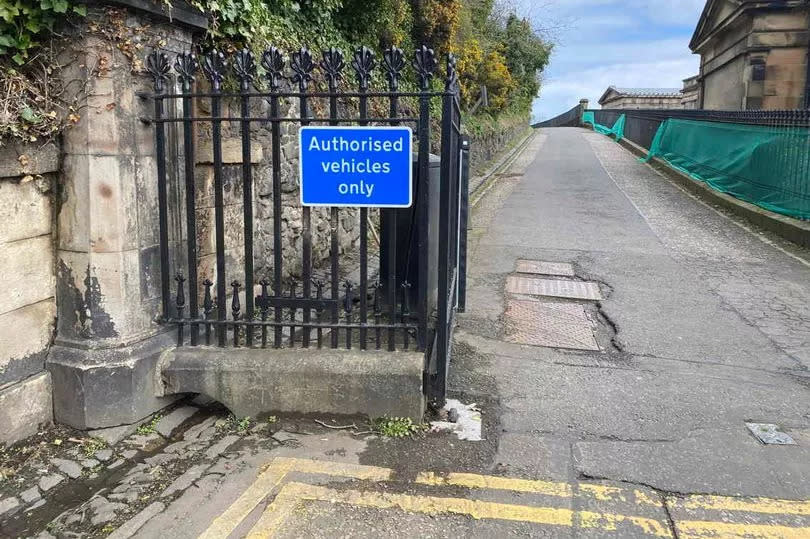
(27, 303)
(486, 147)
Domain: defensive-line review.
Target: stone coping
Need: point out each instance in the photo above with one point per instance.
(23, 159)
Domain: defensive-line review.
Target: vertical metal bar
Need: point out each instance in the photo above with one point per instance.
(213, 65)
(163, 204)
(319, 312)
(333, 65)
(277, 248)
(347, 307)
(265, 307)
(208, 308)
(293, 311)
(273, 64)
(235, 310)
(406, 313)
(245, 68)
(363, 249)
(394, 60)
(464, 218)
(180, 302)
(377, 316)
(307, 243)
(186, 65)
(302, 67)
(425, 64)
(363, 64)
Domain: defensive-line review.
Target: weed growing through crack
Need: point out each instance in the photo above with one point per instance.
(240, 425)
(149, 427)
(91, 445)
(396, 427)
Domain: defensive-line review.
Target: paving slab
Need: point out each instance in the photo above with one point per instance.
(555, 325)
(533, 286)
(538, 267)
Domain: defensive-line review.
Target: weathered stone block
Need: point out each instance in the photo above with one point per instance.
(99, 297)
(98, 210)
(25, 406)
(25, 334)
(253, 382)
(28, 267)
(22, 159)
(106, 387)
(25, 210)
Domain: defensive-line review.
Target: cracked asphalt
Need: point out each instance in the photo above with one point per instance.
(710, 320)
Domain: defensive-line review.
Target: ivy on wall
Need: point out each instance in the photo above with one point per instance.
(23, 22)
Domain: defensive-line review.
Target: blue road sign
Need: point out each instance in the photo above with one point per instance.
(356, 166)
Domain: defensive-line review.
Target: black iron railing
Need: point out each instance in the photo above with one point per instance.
(330, 313)
(641, 125)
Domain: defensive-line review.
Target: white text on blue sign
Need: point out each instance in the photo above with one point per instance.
(356, 166)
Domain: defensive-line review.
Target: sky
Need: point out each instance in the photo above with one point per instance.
(601, 43)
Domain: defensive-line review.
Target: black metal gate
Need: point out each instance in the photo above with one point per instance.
(398, 310)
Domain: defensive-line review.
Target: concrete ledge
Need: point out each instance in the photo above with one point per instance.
(791, 229)
(25, 406)
(106, 387)
(252, 382)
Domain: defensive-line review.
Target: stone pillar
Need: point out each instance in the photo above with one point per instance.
(107, 254)
(583, 106)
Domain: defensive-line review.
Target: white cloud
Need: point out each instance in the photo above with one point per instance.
(564, 91)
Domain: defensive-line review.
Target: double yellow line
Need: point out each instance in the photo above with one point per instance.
(293, 493)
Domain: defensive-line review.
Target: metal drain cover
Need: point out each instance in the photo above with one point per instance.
(553, 325)
(554, 288)
(538, 267)
(770, 434)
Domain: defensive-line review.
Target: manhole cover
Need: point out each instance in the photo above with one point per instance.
(554, 288)
(538, 267)
(554, 325)
(770, 434)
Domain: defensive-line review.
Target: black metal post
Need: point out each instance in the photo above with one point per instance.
(158, 66)
(302, 66)
(464, 221)
(363, 64)
(245, 68)
(214, 66)
(333, 64)
(425, 64)
(273, 64)
(186, 66)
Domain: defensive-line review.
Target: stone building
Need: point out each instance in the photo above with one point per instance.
(753, 54)
(641, 98)
(690, 94)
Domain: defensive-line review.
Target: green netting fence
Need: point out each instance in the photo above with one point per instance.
(764, 165)
(617, 130)
(761, 157)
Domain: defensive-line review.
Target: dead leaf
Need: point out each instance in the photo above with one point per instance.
(27, 179)
(24, 160)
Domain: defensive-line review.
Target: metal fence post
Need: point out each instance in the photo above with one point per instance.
(464, 222)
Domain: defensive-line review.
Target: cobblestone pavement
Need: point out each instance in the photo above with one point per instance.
(702, 329)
